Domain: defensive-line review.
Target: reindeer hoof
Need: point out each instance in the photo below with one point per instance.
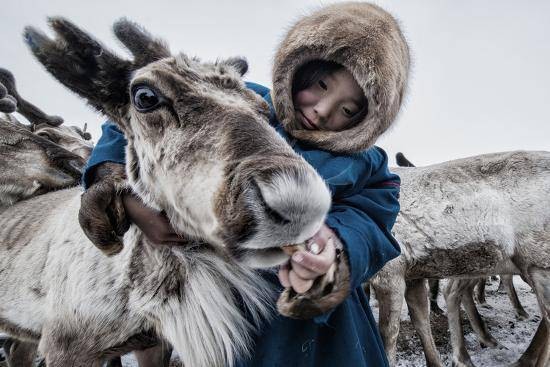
(326, 293)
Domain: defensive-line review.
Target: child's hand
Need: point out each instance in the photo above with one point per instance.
(154, 224)
(305, 266)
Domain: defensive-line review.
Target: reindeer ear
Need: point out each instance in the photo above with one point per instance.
(144, 47)
(83, 65)
(238, 63)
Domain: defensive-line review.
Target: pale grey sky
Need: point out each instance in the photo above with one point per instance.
(480, 79)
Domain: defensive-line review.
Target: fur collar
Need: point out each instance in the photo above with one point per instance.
(368, 42)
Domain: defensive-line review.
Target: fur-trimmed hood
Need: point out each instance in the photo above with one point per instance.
(368, 42)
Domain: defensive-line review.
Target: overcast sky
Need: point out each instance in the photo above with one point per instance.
(481, 69)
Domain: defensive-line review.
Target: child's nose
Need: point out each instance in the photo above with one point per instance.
(322, 110)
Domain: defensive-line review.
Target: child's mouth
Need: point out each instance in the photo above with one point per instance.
(306, 122)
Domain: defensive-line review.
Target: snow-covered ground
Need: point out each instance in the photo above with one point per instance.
(513, 335)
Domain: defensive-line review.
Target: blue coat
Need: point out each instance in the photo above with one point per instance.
(365, 205)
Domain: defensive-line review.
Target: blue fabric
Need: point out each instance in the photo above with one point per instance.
(365, 206)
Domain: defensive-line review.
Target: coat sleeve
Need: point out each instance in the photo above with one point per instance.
(111, 147)
(363, 221)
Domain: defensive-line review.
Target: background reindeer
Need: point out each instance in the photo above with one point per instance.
(475, 288)
(72, 138)
(29, 165)
(461, 291)
(499, 203)
(50, 127)
(186, 155)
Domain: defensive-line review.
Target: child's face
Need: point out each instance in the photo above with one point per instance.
(331, 103)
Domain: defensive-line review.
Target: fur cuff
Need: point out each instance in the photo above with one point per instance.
(102, 215)
(326, 293)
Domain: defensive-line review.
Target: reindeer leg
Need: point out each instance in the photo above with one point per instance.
(20, 353)
(416, 295)
(508, 283)
(480, 291)
(434, 292)
(366, 288)
(541, 285)
(453, 293)
(537, 353)
(390, 297)
(478, 324)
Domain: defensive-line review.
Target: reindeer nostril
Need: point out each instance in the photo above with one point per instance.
(275, 216)
(271, 213)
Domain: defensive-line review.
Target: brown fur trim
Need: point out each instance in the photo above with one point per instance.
(368, 42)
(324, 295)
(102, 216)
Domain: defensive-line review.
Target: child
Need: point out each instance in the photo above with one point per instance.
(339, 78)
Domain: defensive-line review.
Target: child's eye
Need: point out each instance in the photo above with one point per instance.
(347, 112)
(322, 84)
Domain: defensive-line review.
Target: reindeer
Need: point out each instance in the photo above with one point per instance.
(50, 127)
(461, 291)
(32, 165)
(475, 288)
(29, 165)
(469, 218)
(200, 148)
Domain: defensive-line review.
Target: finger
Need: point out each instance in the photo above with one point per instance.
(304, 272)
(315, 247)
(298, 284)
(317, 243)
(283, 275)
(315, 263)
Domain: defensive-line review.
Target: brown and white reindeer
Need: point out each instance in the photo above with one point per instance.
(32, 165)
(29, 165)
(50, 127)
(190, 153)
(469, 218)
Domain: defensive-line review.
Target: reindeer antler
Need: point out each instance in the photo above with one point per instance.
(8, 104)
(32, 113)
(83, 65)
(144, 47)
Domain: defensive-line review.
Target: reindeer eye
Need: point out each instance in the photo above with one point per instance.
(145, 99)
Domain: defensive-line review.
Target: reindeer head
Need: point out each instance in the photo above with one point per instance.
(31, 165)
(199, 144)
(72, 138)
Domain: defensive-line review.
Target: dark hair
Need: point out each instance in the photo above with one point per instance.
(313, 71)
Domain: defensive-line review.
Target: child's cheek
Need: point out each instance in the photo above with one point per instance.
(305, 98)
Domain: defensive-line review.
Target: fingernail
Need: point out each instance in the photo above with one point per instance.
(298, 257)
(314, 248)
